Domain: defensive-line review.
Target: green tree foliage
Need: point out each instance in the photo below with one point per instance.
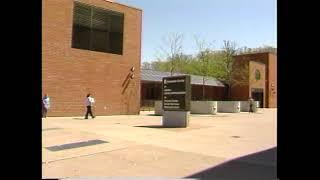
(207, 62)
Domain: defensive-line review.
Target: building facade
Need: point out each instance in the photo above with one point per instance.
(262, 79)
(257, 80)
(151, 87)
(91, 46)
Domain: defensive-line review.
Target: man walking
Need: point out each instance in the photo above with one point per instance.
(251, 102)
(89, 103)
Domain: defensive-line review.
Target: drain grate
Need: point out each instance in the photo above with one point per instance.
(49, 129)
(75, 145)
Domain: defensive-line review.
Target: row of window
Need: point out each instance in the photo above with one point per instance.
(97, 29)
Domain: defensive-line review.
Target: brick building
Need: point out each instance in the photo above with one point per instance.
(91, 46)
(151, 86)
(262, 84)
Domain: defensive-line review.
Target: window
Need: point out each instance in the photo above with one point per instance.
(97, 29)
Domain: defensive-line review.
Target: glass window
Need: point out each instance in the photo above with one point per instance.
(97, 29)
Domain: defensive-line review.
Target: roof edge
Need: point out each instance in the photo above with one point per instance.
(221, 83)
(123, 5)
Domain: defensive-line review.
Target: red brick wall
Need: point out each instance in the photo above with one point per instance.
(240, 90)
(240, 93)
(211, 92)
(270, 61)
(68, 74)
(272, 83)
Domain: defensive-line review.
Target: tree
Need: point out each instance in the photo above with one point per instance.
(233, 73)
(207, 62)
(146, 65)
(265, 48)
(172, 51)
(204, 51)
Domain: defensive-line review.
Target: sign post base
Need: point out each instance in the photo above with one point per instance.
(175, 118)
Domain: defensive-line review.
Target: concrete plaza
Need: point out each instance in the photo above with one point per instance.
(137, 145)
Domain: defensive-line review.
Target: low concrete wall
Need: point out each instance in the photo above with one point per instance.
(229, 106)
(158, 108)
(197, 107)
(244, 106)
(204, 107)
(211, 107)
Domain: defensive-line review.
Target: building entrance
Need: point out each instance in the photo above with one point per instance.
(257, 95)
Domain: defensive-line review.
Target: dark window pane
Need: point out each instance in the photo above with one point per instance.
(99, 41)
(81, 26)
(100, 20)
(97, 29)
(116, 34)
(117, 23)
(116, 42)
(100, 30)
(82, 15)
(81, 37)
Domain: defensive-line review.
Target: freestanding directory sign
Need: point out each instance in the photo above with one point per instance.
(176, 96)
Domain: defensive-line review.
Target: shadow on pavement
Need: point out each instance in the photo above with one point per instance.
(208, 115)
(159, 126)
(257, 166)
(152, 115)
(79, 118)
(194, 114)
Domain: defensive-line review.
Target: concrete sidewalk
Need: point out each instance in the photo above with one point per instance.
(138, 146)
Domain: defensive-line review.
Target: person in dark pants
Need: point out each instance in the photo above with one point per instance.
(89, 103)
(45, 105)
(251, 102)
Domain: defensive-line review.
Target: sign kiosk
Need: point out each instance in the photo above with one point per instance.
(176, 96)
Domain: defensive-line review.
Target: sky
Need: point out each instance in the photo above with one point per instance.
(250, 23)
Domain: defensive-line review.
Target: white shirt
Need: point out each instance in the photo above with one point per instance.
(46, 102)
(89, 101)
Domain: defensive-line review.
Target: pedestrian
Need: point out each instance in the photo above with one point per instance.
(251, 102)
(45, 105)
(89, 103)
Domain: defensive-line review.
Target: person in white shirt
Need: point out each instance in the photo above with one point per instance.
(89, 103)
(45, 105)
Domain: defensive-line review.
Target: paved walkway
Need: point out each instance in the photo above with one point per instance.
(137, 145)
